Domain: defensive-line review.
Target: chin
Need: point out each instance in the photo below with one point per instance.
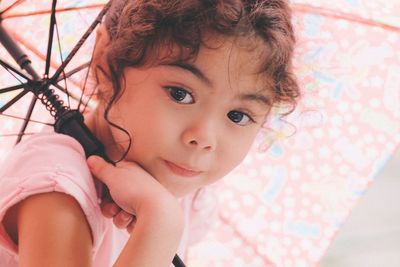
(180, 192)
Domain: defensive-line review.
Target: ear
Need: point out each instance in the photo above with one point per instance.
(99, 62)
(102, 41)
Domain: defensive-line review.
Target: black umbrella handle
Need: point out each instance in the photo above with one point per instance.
(71, 123)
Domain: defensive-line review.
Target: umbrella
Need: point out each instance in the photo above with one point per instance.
(34, 43)
(283, 205)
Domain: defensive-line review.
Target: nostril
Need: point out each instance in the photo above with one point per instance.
(196, 144)
(208, 147)
(193, 142)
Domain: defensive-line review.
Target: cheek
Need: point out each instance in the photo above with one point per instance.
(148, 123)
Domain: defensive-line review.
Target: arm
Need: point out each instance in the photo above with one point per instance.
(51, 230)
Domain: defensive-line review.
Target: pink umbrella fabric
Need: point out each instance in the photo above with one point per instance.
(284, 204)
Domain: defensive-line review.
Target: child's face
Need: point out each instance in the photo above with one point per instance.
(191, 124)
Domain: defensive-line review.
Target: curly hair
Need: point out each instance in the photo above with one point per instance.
(138, 28)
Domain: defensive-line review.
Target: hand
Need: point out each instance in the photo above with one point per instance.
(132, 189)
(159, 226)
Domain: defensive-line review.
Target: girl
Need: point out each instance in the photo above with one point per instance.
(184, 87)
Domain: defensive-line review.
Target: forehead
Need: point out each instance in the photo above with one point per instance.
(237, 59)
(247, 53)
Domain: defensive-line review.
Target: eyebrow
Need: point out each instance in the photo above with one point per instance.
(192, 69)
(259, 98)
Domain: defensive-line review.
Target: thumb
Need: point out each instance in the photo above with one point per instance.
(99, 168)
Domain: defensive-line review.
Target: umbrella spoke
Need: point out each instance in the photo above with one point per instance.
(12, 101)
(51, 34)
(16, 3)
(62, 60)
(27, 116)
(59, 10)
(72, 72)
(13, 70)
(24, 119)
(84, 85)
(12, 88)
(14, 135)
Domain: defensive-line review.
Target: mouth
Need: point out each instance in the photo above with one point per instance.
(182, 170)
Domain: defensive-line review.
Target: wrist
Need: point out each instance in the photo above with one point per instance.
(163, 211)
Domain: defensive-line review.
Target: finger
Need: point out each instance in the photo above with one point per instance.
(109, 209)
(123, 219)
(100, 168)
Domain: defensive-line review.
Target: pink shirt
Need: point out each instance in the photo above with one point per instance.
(48, 162)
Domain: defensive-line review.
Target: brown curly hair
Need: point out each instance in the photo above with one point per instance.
(138, 28)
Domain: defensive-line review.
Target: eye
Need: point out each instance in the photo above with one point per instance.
(180, 95)
(239, 117)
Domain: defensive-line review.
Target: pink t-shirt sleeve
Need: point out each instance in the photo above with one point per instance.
(48, 162)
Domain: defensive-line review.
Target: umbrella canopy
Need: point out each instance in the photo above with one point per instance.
(283, 205)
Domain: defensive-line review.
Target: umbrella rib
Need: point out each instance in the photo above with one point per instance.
(51, 34)
(84, 84)
(24, 119)
(13, 135)
(28, 116)
(60, 10)
(13, 88)
(16, 3)
(12, 101)
(72, 72)
(341, 15)
(10, 68)
(62, 60)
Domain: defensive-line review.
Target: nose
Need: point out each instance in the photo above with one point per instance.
(200, 135)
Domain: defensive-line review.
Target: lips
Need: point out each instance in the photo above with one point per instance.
(182, 170)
